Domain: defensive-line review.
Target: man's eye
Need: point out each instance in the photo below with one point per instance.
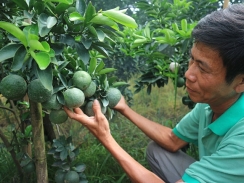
(201, 69)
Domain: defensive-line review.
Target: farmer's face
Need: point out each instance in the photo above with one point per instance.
(205, 77)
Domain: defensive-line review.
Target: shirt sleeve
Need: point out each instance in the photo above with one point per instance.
(187, 128)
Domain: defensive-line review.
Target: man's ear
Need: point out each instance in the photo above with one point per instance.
(240, 85)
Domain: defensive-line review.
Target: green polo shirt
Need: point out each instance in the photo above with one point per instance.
(220, 144)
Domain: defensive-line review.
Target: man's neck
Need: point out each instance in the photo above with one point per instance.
(219, 109)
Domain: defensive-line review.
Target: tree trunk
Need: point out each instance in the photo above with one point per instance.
(39, 142)
(226, 3)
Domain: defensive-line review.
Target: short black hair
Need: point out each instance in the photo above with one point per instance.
(223, 30)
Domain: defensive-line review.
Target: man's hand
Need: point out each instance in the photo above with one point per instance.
(121, 106)
(97, 124)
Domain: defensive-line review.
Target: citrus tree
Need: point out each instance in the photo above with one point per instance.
(52, 55)
(160, 46)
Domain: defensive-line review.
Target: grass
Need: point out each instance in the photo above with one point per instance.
(159, 106)
(7, 167)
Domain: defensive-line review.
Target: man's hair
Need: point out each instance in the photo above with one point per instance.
(223, 30)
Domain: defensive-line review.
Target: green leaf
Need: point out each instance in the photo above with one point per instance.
(72, 155)
(31, 29)
(175, 27)
(76, 16)
(80, 6)
(80, 168)
(63, 154)
(32, 37)
(41, 46)
(100, 66)
(182, 33)
(184, 25)
(61, 7)
(100, 50)
(103, 20)
(57, 163)
(42, 25)
(67, 39)
(39, 6)
(21, 4)
(69, 140)
(82, 52)
(41, 58)
(120, 17)
(121, 83)
(8, 51)
(100, 35)
(65, 166)
(92, 30)
(19, 59)
(90, 12)
(57, 47)
(51, 21)
(61, 1)
(63, 80)
(87, 43)
(106, 70)
(15, 31)
(46, 46)
(92, 65)
(28, 131)
(46, 77)
(147, 32)
(51, 53)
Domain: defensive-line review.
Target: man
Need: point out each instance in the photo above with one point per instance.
(215, 81)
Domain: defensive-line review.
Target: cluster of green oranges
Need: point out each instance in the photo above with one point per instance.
(14, 87)
(69, 177)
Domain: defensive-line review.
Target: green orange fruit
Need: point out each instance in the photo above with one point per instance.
(52, 103)
(37, 92)
(13, 87)
(113, 97)
(71, 177)
(58, 116)
(90, 90)
(73, 97)
(81, 79)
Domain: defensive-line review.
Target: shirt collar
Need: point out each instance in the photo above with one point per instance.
(229, 118)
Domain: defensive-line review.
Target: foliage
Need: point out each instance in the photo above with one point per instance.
(58, 39)
(7, 167)
(165, 38)
(65, 154)
(108, 4)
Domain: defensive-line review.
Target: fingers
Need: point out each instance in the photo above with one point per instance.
(96, 107)
(78, 110)
(73, 114)
(97, 110)
(69, 112)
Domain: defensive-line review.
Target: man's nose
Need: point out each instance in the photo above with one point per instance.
(190, 74)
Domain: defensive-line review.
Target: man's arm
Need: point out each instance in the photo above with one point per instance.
(99, 127)
(160, 134)
(136, 172)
